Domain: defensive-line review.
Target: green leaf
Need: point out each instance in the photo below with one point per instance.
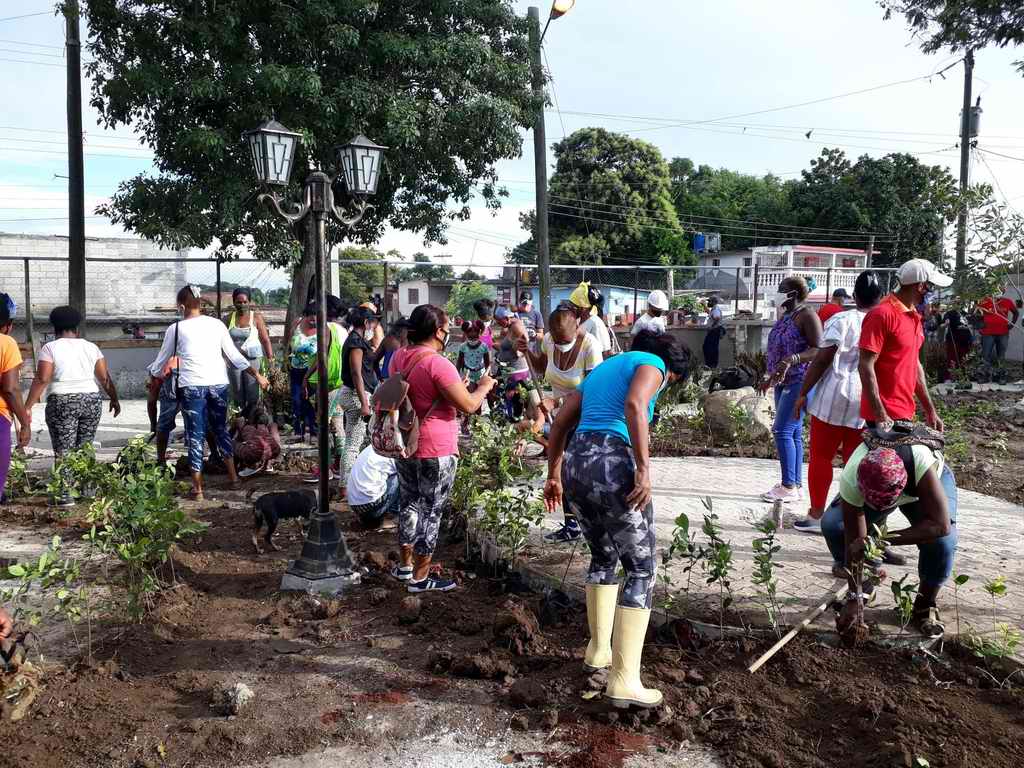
(961, 579)
(16, 570)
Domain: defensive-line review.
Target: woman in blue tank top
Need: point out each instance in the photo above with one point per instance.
(605, 483)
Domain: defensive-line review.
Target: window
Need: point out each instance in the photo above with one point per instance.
(716, 262)
(413, 295)
(747, 262)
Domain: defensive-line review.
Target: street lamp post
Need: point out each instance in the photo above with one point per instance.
(325, 564)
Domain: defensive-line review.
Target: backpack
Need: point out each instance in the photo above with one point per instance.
(394, 426)
(333, 362)
(735, 377)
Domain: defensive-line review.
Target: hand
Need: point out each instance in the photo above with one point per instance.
(486, 383)
(883, 423)
(799, 406)
(522, 345)
(25, 435)
(640, 496)
(851, 615)
(552, 494)
(6, 624)
(262, 381)
(115, 407)
(933, 420)
(364, 410)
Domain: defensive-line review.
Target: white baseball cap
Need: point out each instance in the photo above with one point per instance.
(922, 271)
(657, 300)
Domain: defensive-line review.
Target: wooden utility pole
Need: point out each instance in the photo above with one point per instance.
(965, 163)
(540, 165)
(76, 164)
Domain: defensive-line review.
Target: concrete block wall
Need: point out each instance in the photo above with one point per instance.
(111, 289)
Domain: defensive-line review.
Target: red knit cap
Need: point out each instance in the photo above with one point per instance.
(881, 478)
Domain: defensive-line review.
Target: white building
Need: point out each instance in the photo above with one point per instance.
(412, 293)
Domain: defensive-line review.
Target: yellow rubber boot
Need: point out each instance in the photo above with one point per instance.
(624, 686)
(600, 619)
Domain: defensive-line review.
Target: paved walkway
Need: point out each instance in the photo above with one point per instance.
(991, 540)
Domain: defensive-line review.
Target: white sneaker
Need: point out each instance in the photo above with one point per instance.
(782, 493)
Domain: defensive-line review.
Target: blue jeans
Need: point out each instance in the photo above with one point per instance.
(303, 415)
(789, 434)
(371, 515)
(205, 408)
(935, 562)
(993, 349)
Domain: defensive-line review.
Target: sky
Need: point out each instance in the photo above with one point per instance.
(684, 75)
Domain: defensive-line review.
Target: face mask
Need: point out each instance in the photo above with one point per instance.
(474, 343)
(782, 297)
(241, 308)
(565, 347)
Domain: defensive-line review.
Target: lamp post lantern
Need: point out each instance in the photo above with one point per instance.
(325, 564)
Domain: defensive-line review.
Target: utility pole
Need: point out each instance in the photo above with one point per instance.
(870, 255)
(76, 165)
(540, 163)
(965, 164)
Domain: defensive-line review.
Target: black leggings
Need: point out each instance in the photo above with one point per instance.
(597, 475)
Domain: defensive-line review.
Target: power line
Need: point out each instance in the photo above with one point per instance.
(99, 146)
(27, 15)
(32, 45)
(999, 154)
(32, 53)
(99, 134)
(39, 63)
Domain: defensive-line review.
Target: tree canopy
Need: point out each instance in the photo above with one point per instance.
(610, 203)
(425, 270)
(962, 24)
(357, 281)
(460, 301)
(445, 84)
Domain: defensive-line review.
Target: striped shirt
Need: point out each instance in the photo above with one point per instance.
(836, 397)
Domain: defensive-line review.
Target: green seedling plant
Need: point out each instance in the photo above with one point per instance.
(19, 482)
(765, 548)
(684, 546)
(717, 561)
(740, 423)
(508, 514)
(1004, 639)
(959, 579)
(857, 578)
(904, 595)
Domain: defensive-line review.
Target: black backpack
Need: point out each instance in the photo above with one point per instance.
(736, 377)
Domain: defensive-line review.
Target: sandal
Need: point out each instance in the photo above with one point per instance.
(928, 622)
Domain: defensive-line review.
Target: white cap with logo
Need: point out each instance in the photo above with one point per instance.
(657, 300)
(922, 271)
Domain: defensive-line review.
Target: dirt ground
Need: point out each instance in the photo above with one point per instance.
(985, 448)
(371, 667)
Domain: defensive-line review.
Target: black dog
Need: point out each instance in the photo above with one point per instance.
(281, 505)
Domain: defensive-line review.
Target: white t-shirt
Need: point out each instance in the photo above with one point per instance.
(203, 343)
(74, 365)
(648, 322)
(837, 394)
(368, 480)
(595, 326)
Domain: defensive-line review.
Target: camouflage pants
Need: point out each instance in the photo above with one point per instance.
(205, 408)
(423, 489)
(597, 475)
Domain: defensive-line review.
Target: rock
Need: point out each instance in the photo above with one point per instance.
(385, 643)
(528, 694)
(549, 720)
(691, 709)
(483, 666)
(410, 609)
(440, 661)
(232, 700)
(608, 717)
(376, 560)
(694, 677)
(680, 731)
(378, 595)
(598, 680)
(720, 406)
(320, 607)
(515, 627)
(664, 714)
(669, 674)
(519, 723)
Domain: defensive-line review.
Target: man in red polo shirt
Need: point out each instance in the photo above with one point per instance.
(999, 314)
(834, 307)
(890, 367)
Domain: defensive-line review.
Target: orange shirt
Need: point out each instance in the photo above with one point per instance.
(10, 360)
(895, 333)
(996, 316)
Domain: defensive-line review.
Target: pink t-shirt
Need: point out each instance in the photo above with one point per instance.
(439, 434)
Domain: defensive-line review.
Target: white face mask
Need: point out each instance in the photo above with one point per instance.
(565, 347)
(781, 298)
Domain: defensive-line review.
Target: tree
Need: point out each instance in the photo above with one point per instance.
(469, 274)
(444, 84)
(897, 195)
(729, 202)
(357, 281)
(425, 270)
(278, 297)
(962, 24)
(460, 301)
(610, 203)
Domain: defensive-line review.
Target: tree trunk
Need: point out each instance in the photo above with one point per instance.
(301, 276)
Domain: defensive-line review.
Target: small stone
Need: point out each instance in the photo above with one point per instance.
(519, 723)
(694, 677)
(691, 709)
(378, 595)
(703, 693)
(376, 560)
(549, 720)
(410, 609)
(608, 717)
(440, 661)
(385, 643)
(669, 674)
(664, 714)
(233, 700)
(680, 732)
(598, 680)
(528, 694)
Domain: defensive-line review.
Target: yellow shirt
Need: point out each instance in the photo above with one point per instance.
(10, 360)
(564, 382)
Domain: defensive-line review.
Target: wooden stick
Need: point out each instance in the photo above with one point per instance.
(811, 616)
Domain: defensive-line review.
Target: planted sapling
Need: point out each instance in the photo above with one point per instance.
(765, 548)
